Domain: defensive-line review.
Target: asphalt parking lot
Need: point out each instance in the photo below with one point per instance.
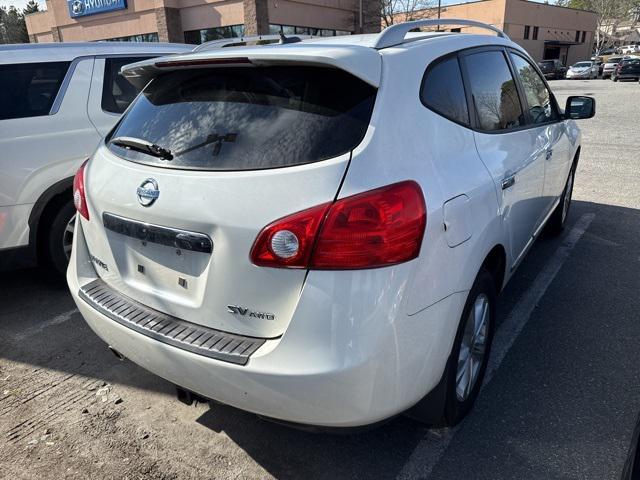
(561, 400)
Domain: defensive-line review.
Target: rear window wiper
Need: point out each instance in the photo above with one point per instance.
(143, 146)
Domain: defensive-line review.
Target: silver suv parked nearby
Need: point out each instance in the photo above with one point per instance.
(56, 102)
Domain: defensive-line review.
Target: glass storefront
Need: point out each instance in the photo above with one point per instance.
(143, 37)
(197, 37)
(296, 30)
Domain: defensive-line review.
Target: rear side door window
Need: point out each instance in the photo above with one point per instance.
(117, 92)
(493, 91)
(29, 89)
(540, 104)
(443, 92)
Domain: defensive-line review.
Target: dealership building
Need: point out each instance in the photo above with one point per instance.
(193, 21)
(545, 31)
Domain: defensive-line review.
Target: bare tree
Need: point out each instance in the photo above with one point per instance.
(398, 11)
(611, 13)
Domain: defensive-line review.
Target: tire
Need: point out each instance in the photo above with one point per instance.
(559, 216)
(615, 79)
(60, 233)
(462, 395)
(448, 403)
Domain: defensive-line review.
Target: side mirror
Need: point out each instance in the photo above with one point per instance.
(580, 107)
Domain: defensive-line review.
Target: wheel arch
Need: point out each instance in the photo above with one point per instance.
(496, 263)
(576, 157)
(48, 203)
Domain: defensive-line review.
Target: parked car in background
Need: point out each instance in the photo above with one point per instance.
(628, 69)
(609, 51)
(610, 66)
(56, 101)
(630, 49)
(583, 70)
(552, 69)
(267, 226)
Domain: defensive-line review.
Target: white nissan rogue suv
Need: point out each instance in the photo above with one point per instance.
(317, 231)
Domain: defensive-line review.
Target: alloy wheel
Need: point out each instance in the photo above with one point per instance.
(567, 197)
(473, 347)
(67, 237)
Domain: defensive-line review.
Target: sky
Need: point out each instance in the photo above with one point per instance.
(19, 4)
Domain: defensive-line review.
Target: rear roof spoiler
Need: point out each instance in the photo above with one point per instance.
(362, 62)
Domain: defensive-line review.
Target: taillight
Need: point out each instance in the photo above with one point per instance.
(79, 197)
(377, 228)
(288, 242)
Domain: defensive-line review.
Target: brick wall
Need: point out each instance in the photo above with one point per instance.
(169, 25)
(256, 17)
(55, 31)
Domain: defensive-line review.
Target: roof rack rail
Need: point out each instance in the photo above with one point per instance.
(395, 34)
(230, 42)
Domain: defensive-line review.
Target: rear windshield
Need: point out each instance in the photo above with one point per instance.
(546, 64)
(248, 118)
(582, 64)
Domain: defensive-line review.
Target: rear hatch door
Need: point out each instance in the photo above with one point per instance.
(248, 145)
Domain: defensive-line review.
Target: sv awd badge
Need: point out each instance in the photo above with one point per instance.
(245, 312)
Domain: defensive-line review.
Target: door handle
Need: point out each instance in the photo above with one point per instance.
(549, 154)
(508, 182)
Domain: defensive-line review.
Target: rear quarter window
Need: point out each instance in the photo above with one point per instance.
(29, 89)
(443, 91)
(117, 92)
(247, 118)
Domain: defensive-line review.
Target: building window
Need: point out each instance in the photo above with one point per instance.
(143, 37)
(584, 36)
(577, 36)
(535, 33)
(197, 37)
(456, 30)
(274, 29)
(526, 32)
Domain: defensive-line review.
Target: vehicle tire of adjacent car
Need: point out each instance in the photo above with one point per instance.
(59, 234)
(559, 216)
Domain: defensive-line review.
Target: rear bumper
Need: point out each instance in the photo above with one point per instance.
(328, 369)
(578, 75)
(628, 76)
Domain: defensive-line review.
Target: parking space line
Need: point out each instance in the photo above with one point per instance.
(430, 449)
(57, 320)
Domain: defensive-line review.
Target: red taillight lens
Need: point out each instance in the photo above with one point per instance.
(79, 197)
(373, 229)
